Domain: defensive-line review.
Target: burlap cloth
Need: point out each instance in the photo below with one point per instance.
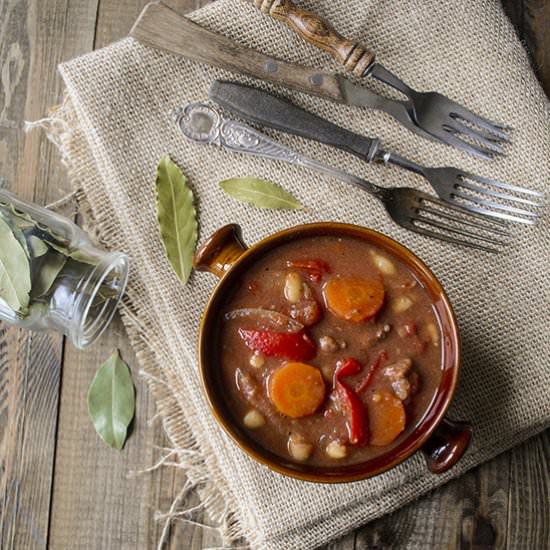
(116, 124)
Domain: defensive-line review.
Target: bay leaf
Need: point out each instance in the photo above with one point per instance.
(37, 246)
(176, 217)
(75, 254)
(12, 220)
(111, 401)
(260, 193)
(15, 279)
(47, 273)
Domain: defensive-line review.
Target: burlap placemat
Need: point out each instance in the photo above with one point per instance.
(116, 124)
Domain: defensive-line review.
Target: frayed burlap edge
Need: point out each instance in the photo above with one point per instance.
(61, 127)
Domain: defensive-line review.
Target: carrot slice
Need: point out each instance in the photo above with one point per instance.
(354, 298)
(297, 389)
(386, 418)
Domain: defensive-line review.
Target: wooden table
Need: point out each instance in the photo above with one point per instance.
(60, 487)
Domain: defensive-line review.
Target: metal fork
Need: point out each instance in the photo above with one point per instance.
(447, 120)
(475, 193)
(434, 113)
(412, 209)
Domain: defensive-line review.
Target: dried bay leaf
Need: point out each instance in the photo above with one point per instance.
(37, 246)
(15, 279)
(111, 401)
(176, 217)
(75, 254)
(47, 273)
(12, 221)
(260, 193)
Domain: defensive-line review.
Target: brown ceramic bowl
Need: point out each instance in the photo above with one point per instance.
(441, 440)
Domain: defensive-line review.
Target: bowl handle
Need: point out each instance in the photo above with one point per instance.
(446, 445)
(220, 251)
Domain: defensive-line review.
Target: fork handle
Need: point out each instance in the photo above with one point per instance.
(319, 32)
(266, 109)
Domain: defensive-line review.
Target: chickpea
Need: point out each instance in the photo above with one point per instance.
(385, 265)
(328, 344)
(298, 448)
(336, 450)
(433, 333)
(401, 304)
(328, 373)
(257, 360)
(294, 288)
(253, 419)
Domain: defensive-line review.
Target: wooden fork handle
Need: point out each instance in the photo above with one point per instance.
(315, 30)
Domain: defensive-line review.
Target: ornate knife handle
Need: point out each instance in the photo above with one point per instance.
(315, 30)
(203, 124)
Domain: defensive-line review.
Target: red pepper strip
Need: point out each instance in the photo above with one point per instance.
(356, 421)
(296, 346)
(363, 385)
(314, 268)
(356, 414)
(347, 367)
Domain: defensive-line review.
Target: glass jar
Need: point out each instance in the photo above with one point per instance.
(52, 277)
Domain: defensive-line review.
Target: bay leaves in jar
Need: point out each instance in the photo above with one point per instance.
(37, 246)
(261, 193)
(47, 272)
(75, 254)
(111, 401)
(12, 220)
(15, 279)
(177, 217)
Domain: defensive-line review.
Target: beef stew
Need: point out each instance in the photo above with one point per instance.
(330, 351)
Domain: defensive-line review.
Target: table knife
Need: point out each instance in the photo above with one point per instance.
(162, 28)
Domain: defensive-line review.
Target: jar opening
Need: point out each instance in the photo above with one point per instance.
(99, 299)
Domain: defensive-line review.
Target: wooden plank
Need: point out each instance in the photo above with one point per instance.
(30, 363)
(29, 374)
(470, 512)
(91, 485)
(514, 10)
(531, 19)
(123, 507)
(536, 29)
(529, 499)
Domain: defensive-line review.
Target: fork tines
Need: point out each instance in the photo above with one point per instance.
(475, 134)
(498, 199)
(447, 222)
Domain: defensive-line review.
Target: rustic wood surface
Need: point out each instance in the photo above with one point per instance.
(60, 488)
